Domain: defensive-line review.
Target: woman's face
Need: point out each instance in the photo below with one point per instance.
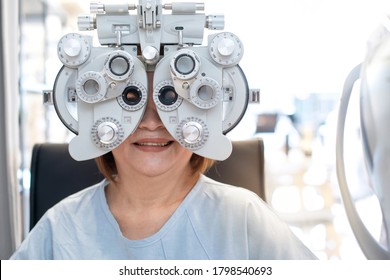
(151, 150)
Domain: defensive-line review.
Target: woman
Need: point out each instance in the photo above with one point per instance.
(156, 204)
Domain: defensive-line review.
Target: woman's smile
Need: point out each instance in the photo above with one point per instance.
(153, 145)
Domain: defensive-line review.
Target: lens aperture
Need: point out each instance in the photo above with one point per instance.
(132, 95)
(206, 93)
(185, 64)
(167, 95)
(91, 87)
(119, 65)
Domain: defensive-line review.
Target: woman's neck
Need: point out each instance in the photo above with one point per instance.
(143, 191)
(142, 205)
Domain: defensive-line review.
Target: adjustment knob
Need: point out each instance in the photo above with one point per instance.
(96, 8)
(107, 133)
(150, 55)
(215, 22)
(73, 49)
(86, 22)
(226, 49)
(226, 46)
(192, 132)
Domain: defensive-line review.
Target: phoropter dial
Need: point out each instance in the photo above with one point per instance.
(107, 133)
(185, 64)
(192, 133)
(119, 65)
(134, 96)
(165, 96)
(226, 49)
(91, 87)
(205, 93)
(74, 49)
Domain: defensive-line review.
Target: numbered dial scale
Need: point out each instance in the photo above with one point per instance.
(226, 49)
(73, 49)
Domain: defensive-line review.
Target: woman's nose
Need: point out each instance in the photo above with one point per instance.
(151, 120)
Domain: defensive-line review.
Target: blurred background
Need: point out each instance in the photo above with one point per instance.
(298, 53)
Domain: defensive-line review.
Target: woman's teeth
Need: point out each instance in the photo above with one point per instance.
(152, 144)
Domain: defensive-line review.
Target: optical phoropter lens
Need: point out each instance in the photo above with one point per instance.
(91, 87)
(185, 64)
(119, 65)
(206, 93)
(167, 95)
(132, 95)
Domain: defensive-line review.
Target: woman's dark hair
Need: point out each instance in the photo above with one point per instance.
(107, 166)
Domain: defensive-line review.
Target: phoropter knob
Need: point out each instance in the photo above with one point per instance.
(107, 133)
(215, 22)
(86, 22)
(73, 49)
(226, 49)
(192, 133)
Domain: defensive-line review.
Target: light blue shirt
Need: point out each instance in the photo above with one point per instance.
(215, 221)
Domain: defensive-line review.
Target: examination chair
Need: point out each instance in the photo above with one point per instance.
(55, 175)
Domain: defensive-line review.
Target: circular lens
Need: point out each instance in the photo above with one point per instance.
(206, 93)
(167, 95)
(132, 95)
(91, 87)
(185, 64)
(119, 65)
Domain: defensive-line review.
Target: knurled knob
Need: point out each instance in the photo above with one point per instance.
(86, 22)
(107, 132)
(192, 132)
(215, 22)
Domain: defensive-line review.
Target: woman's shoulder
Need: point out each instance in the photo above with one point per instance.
(76, 202)
(243, 213)
(215, 189)
(234, 200)
(68, 215)
(217, 194)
